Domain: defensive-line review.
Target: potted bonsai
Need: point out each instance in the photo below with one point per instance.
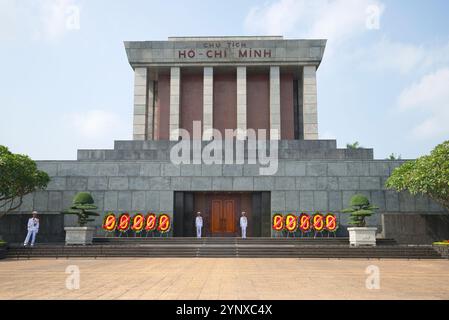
(442, 247)
(360, 235)
(83, 204)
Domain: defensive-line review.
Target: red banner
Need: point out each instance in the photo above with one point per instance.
(304, 222)
(291, 223)
(331, 222)
(124, 222)
(138, 223)
(318, 222)
(164, 223)
(151, 222)
(109, 222)
(278, 222)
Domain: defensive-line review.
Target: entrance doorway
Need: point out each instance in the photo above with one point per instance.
(223, 217)
(221, 213)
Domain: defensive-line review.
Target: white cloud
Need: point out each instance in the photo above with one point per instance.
(54, 17)
(430, 96)
(36, 20)
(275, 18)
(94, 124)
(336, 20)
(402, 57)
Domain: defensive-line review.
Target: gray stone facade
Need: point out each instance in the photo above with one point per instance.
(137, 176)
(185, 51)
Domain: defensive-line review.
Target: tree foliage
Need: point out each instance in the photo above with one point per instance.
(83, 204)
(393, 156)
(19, 176)
(428, 175)
(360, 208)
(353, 146)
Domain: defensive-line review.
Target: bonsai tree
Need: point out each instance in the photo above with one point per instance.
(359, 210)
(83, 203)
(428, 175)
(19, 176)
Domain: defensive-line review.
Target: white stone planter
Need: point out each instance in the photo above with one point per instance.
(79, 235)
(362, 237)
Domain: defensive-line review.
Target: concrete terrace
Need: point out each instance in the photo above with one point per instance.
(176, 278)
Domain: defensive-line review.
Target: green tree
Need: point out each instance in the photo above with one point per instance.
(427, 175)
(393, 156)
(83, 203)
(19, 176)
(355, 145)
(360, 208)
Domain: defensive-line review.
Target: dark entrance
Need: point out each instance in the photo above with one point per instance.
(221, 213)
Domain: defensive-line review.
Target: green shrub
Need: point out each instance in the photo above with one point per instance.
(83, 198)
(427, 175)
(19, 177)
(83, 204)
(360, 208)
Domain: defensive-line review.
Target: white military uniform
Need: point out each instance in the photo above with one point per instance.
(243, 225)
(199, 226)
(33, 229)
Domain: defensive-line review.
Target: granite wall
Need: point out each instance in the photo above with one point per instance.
(138, 184)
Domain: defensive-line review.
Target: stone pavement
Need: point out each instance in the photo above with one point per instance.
(178, 278)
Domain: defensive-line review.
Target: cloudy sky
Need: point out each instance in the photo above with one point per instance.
(65, 83)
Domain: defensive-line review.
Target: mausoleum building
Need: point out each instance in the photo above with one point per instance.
(237, 83)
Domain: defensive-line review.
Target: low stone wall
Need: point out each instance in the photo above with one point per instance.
(443, 250)
(416, 228)
(3, 248)
(136, 176)
(13, 228)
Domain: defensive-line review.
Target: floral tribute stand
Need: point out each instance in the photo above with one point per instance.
(291, 225)
(278, 225)
(318, 224)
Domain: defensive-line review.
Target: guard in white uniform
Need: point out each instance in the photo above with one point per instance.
(198, 224)
(243, 224)
(33, 229)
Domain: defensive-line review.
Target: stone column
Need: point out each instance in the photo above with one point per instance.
(310, 113)
(150, 110)
(208, 100)
(140, 104)
(175, 85)
(156, 115)
(275, 104)
(241, 101)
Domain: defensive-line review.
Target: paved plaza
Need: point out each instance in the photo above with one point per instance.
(177, 278)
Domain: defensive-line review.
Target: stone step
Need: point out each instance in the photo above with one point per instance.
(256, 251)
(158, 150)
(284, 154)
(343, 241)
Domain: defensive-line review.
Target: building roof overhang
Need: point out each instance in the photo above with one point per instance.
(218, 51)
